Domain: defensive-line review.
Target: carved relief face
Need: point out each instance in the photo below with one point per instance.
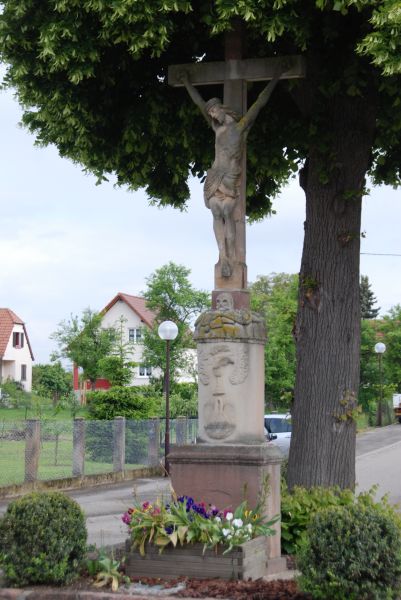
(221, 367)
(224, 302)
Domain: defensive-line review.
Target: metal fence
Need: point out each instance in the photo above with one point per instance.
(47, 449)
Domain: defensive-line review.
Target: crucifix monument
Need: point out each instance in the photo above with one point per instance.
(225, 185)
(231, 454)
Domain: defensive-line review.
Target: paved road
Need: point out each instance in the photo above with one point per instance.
(378, 461)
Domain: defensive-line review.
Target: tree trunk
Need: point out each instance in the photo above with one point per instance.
(327, 330)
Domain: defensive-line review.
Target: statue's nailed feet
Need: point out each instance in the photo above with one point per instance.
(226, 269)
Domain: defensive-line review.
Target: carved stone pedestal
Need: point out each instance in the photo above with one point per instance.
(231, 374)
(231, 461)
(225, 475)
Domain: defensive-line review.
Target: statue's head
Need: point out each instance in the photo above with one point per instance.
(218, 111)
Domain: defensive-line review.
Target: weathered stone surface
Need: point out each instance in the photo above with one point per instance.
(231, 391)
(234, 324)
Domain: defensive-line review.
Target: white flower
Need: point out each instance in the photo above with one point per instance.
(249, 527)
(217, 519)
(229, 536)
(229, 516)
(238, 522)
(226, 532)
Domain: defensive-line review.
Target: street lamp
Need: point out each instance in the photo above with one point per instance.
(167, 331)
(380, 348)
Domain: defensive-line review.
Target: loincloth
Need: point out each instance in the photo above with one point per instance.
(215, 178)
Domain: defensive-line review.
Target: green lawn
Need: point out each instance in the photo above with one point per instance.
(55, 461)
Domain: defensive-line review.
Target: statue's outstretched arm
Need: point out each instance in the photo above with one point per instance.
(263, 98)
(195, 95)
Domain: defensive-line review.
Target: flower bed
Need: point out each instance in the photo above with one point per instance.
(183, 537)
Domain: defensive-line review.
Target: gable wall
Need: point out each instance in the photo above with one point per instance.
(14, 358)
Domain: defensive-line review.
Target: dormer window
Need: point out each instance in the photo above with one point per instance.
(18, 339)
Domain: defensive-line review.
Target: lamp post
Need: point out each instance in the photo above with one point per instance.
(167, 331)
(380, 348)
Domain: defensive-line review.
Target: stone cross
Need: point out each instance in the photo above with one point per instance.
(225, 185)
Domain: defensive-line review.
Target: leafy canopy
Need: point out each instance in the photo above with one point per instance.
(171, 296)
(85, 342)
(91, 76)
(275, 297)
(367, 299)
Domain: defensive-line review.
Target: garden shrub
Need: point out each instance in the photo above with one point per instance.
(42, 539)
(133, 403)
(352, 553)
(119, 401)
(300, 505)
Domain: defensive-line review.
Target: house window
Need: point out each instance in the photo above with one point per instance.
(145, 371)
(135, 335)
(18, 339)
(23, 372)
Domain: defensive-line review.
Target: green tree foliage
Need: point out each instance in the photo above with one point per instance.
(387, 330)
(92, 79)
(275, 296)
(84, 342)
(118, 366)
(171, 296)
(51, 381)
(369, 373)
(391, 328)
(367, 299)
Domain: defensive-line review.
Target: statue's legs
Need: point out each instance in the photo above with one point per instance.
(222, 207)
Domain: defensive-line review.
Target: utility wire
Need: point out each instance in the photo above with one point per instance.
(379, 254)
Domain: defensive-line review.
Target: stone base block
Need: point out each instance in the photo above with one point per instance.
(226, 475)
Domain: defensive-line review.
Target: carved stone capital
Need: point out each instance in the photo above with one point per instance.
(240, 325)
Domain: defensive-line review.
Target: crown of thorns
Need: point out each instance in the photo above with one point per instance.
(212, 102)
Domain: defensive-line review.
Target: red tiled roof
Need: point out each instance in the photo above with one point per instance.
(8, 319)
(137, 304)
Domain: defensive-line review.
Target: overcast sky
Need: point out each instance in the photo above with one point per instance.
(67, 244)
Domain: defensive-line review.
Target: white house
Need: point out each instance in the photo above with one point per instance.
(136, 317)
(15, 350)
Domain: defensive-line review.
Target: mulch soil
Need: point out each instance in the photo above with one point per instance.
(242, 590)
(194, 588)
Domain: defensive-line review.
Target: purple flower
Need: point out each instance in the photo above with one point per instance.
(126, 518)
(169, 529)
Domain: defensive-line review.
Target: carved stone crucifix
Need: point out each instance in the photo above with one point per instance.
(225, 185)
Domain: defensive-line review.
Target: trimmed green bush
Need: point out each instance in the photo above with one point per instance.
(42, 539)
(128, 402)
(352, 553)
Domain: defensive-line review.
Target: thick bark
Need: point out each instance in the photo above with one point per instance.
(327, 330)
